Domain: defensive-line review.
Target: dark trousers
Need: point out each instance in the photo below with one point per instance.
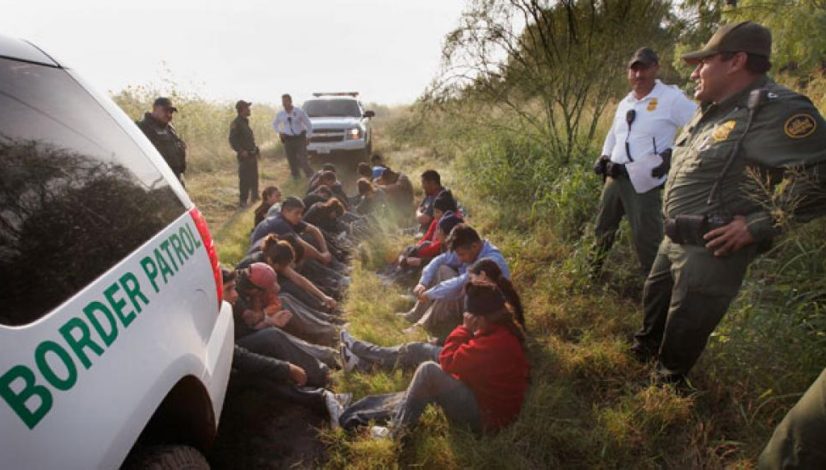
(314, 359)
(296, 149)
(644, 212)
(248, 179)
(685, 296)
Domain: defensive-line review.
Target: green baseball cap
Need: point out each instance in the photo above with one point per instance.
(735, 37)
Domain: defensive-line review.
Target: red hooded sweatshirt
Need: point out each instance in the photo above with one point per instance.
(492, 364)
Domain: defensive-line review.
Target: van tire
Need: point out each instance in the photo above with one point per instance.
(167, 457)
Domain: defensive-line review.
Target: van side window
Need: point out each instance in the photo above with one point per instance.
(77, 194)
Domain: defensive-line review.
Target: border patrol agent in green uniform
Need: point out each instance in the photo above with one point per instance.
(799, 442)
(715, 224)
(242, 140)
(645, 124)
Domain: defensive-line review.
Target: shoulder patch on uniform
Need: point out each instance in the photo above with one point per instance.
(800, 126)
(652, 105)
(722, 131)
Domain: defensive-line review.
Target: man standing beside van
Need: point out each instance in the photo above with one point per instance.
(636, 157)
(242, 140)
(294, 129)
(157, 126)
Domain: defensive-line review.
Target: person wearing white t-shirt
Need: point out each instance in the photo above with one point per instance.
(636, 158)
(294, 129)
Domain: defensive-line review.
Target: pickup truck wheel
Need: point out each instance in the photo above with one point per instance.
(166, 457)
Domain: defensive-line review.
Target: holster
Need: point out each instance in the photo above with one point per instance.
(615, 170)
(689, 229)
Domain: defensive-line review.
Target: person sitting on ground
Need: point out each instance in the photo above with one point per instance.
(482, 376)
(326, 215)
(280, 255)
(262, 308)
(362, 355)
(290, 379)
(371, 198)
(430, 245)
(439, 291)
(314, 360)
(363, 170)
(289, 221)
(270, 197)
(378, 166)
(314, 179)
(398, 188)
(432, 187)
(329, 179)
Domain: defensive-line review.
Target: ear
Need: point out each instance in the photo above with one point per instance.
(738, 62)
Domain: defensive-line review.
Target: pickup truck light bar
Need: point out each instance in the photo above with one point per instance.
(336, 93)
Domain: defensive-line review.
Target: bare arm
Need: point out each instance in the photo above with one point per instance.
(308, 286)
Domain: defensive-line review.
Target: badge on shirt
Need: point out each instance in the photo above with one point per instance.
(800, 126)
(652, 105)
(722, 131)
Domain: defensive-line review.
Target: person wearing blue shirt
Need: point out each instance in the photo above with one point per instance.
(440, 291)
(289, 220)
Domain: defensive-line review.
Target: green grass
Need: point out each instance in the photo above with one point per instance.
(589, 405)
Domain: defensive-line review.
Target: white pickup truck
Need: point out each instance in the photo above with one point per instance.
(341, 126)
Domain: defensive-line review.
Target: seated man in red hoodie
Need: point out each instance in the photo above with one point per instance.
(482, 374)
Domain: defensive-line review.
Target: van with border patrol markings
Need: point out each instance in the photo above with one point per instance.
(115, 342)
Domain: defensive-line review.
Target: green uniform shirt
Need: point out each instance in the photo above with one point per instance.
(241, 136)
(787, 136)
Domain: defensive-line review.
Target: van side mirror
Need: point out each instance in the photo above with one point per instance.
(369, 114)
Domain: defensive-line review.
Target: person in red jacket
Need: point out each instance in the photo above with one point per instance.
(482, 375)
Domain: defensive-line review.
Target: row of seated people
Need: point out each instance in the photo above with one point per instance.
(287, 313)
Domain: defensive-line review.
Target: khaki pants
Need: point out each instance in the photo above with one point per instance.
(685, 296)
(800, 439)
(644, 212)
(438, 317)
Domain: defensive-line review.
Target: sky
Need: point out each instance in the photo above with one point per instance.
(388, 50)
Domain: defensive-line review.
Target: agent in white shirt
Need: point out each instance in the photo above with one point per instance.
(294, 129)
(636, 158)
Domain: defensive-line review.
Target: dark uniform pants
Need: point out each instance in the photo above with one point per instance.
(685, 296)
(800, 439)
(644, 213)
(248, 179)
(296, 149)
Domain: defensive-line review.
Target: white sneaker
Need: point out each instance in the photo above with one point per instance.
(336, 403)
(379, 432)
(348, 360)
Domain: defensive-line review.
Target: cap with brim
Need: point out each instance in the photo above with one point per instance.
(645, 56)
(242, 104)
(483, 300)
(746, 37)
(165, 103)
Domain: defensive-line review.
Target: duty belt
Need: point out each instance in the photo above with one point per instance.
(689, 229)
(615, 170)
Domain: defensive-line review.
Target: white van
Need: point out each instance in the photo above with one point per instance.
(114, 338)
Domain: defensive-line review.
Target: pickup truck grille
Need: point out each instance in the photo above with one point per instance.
(326, 138)
(327, 135)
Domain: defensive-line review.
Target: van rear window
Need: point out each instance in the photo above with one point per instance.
(77, 194)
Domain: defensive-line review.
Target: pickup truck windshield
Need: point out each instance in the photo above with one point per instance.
(332, 108)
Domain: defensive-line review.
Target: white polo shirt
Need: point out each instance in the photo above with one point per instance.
(292, 123)
(658, 117)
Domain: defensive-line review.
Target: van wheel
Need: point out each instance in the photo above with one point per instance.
(166, 457)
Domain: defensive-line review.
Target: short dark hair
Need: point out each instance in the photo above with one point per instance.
(433, 176)
(328, 175)
(227, 275)
(292, 202)
(364, 170)
(462, 236)
(328, 167)
(286, 95)
(376, 158)
(756, 64)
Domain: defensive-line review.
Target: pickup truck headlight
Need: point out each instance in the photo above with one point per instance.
(354, 133)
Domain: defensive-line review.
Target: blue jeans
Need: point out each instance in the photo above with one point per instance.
(407, 356)
(431, 384)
